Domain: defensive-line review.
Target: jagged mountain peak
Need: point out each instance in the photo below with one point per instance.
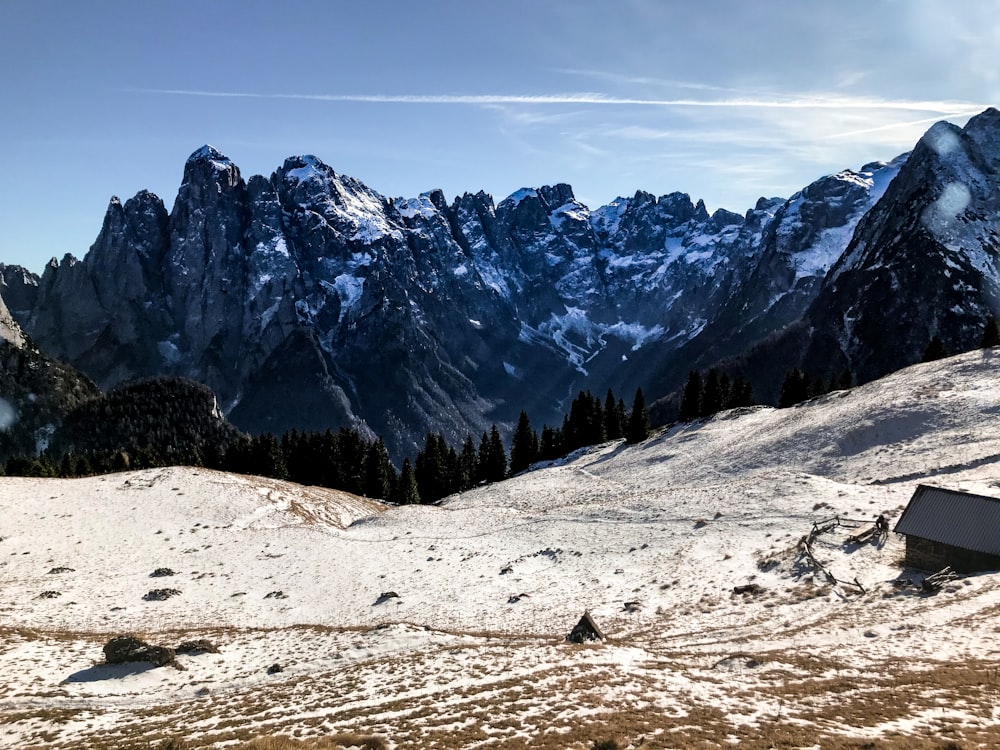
(942, 138)
(723, 218)
(208, 165)
(987, 121)
(984, 130)
(557, 195)
(306, 167)
(428, 204)
(210, 154)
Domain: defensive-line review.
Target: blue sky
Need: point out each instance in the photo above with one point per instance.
(724, 100)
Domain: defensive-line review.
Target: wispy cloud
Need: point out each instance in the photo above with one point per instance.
(813, 101)
(663, 83)
(901, 125)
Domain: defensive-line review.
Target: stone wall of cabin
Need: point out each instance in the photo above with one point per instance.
(933, 556)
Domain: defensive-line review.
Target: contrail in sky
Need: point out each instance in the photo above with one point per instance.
(597, 99)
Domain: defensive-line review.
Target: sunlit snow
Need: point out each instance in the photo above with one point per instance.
(651, 539)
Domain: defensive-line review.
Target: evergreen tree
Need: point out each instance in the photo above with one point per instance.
(483, 460)
(523, 445)
(595, 422)
(378, 471)
(348, 462)
(637, 428)
(432, 469)
(692, 397)
(496, 458)
(406, 488)
(568, 441)
(794, 390)
(612, 419)
(550, 446)
(725, 392)
(935, 350)
(120, 461)
(711, 400)
(83, 468)
(578, 429)
(741, 394)
(467, 461)
(266, 457)
(450, 481)
(991, 334)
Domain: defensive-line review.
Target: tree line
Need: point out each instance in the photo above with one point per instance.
(708, 394)
(173, 421)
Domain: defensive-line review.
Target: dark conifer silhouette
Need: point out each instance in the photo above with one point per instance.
(794, 390)
(935, 350)
(991, 334)
(637, 429)
(612, 418)
(379, 473)
(406, 488)
(712, 400)
(496, 457)
(523, 445)
(550, 446)
(435, 469)
(691, 398)
(467, 463)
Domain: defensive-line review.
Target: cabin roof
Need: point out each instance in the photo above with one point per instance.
(958, 519)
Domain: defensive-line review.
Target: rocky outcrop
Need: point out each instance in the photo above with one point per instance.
(36, 391)
(126, 649)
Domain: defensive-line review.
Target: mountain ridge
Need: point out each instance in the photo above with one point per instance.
(309, 300)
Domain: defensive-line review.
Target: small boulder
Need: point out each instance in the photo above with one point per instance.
(194, 648)
(124, 649)
(159, 595)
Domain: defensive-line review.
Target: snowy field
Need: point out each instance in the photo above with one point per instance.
(443, 627)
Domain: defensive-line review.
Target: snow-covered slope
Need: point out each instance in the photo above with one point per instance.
(442, 626)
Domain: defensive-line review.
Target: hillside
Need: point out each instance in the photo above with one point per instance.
(469, 652)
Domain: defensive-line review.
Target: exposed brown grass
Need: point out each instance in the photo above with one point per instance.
(333, 742)
(506, 694)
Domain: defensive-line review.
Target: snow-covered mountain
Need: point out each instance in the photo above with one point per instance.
(443, 627)
(309, 300)
(924, 262)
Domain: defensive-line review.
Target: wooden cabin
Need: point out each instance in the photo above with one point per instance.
(950, 528)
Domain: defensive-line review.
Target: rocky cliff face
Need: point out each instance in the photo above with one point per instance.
(308, 300)
(36, 392)
(924, 262)
(797, 242)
